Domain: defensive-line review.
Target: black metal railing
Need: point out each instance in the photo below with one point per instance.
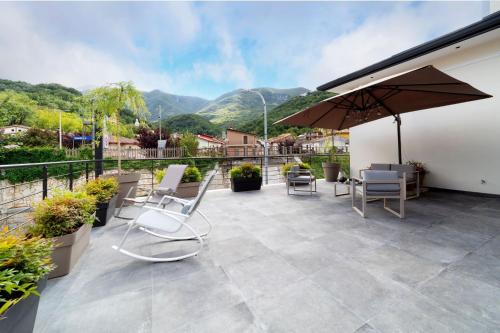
(45, 177)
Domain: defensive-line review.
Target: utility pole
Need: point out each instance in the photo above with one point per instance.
(159, 126)
(266, 146)
(60, 129)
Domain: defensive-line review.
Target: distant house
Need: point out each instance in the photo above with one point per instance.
(208, 141)
(14, 129)
(239, 143)
(320, 142)
(125, 143)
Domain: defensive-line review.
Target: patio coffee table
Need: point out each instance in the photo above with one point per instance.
(346, 191)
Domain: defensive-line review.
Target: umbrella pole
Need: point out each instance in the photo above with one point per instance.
(398, 122)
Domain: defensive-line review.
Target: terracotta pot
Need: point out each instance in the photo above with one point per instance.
(20, 318)
(68, 250)
(187, 190)
(105, 211)
(331, 171)
(125, 182)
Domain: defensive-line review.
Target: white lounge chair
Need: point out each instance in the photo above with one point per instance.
(167, 186)
(165, 224)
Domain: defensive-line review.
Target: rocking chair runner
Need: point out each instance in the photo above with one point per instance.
(168, 223)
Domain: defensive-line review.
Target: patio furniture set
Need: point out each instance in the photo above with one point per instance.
(382, 181)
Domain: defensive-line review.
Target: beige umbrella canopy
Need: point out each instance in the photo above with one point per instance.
(419, 89)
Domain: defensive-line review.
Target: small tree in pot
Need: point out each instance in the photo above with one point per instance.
(105, 192)
(245, 177)
(24, 265)
(332, 167)
(67, 219)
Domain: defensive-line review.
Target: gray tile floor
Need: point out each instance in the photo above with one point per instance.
(278, 263)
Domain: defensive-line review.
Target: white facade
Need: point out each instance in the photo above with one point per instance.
(14, 129)
(459, 144)
(204, 143)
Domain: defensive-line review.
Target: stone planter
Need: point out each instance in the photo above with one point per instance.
(68, 250)
(20, 318)
(105, 211)
(187, 190)
(246, 184)
(125, 181)
(331, 171)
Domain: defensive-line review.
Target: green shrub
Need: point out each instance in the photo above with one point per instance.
(62, 214)
(103, 189)
(245, 170)
(286, 167)
(191, 174)
(23, 262)
(34, 155)
(159, 174)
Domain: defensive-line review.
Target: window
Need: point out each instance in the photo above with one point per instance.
(245, 139)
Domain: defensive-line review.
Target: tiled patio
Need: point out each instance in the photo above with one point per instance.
(278, 263)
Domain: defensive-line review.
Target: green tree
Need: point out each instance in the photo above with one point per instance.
(49, 119)
(189, 142)
(111, 100)
(15, 107)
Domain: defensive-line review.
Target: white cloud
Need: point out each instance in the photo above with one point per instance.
(379, 37)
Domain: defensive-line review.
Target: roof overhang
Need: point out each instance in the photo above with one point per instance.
(483, 29)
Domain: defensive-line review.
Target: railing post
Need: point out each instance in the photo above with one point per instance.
(86, 172)
(44, 182)
(70, 175)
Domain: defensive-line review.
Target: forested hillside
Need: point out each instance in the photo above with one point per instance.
(172, 105)
(296, 104)
(238, 106)
(192, 123)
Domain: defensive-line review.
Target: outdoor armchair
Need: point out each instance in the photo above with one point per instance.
(379, 184)
(296, 175)
(167, 186)
(408, 172)
(166, 224)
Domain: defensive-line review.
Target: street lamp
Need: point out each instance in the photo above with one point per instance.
(266, 152)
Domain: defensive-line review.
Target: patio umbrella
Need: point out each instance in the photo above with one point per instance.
(418, 89)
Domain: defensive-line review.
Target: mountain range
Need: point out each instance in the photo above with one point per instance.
(227, 110)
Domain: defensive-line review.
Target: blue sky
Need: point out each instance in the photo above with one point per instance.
(208, 48)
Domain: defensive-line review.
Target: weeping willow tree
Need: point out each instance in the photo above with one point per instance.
(110, 100)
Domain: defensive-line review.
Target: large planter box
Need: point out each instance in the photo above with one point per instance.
(125, 181)
(68, 249)
(187, 190)
(246, 184)
(20, 318)
(105, 211)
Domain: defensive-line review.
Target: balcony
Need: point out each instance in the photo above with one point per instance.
(278, 263)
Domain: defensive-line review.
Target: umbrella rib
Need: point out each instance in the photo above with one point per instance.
(380, 102)
(324, 114)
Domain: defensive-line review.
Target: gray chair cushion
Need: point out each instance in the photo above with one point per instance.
(381, 175)
(380, 166)
(301, 179)
(294, 171)
(401, 168)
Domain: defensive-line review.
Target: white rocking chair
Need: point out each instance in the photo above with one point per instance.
(167, 223)
(167, 186)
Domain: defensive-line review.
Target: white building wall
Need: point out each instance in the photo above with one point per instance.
(459, 144)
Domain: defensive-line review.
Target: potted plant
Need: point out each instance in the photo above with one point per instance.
(109, 102)
(331, 168)
(24, 265)
(190, 183)
(66, 219)
(245, 177)
(422, 171)
(104, 190)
